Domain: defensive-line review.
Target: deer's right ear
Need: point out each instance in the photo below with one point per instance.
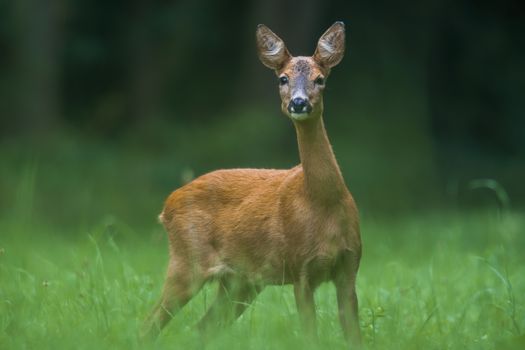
(271, 49)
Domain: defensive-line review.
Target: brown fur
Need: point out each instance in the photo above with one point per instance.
(252, 227)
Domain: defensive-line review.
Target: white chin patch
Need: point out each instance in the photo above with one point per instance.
(299, 116)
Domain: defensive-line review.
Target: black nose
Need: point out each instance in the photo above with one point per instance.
(299, 105)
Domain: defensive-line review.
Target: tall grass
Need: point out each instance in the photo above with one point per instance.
(447, 281)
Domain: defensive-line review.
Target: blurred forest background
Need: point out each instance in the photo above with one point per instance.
(107, 106)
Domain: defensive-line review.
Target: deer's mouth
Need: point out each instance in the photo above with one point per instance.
(299, 116)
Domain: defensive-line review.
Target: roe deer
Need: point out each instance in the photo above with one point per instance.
(248, 228)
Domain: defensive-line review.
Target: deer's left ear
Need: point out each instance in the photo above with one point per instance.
(331, 46)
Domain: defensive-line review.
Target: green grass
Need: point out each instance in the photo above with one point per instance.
(82, 262)
(451, 280)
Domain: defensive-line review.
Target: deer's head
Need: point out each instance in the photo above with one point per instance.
(302, 78)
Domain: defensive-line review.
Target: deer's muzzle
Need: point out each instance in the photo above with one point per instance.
(299, 106)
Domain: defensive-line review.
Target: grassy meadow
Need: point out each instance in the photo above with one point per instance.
(436, 279)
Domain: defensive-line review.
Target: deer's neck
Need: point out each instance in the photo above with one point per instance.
(322, 177)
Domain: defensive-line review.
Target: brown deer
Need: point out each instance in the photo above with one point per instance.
(248, 228)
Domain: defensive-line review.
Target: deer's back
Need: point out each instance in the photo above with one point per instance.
(223, 192)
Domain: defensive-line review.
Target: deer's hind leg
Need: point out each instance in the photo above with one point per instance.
(180, 285)
(233, 297)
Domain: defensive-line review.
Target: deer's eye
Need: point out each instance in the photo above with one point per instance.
(283, 80)
(319, 81)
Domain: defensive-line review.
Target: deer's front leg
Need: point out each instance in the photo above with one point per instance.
(304, 298)
(347, 307)
(347, 300)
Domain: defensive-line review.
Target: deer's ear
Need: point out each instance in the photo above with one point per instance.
(331, 46)
(271, 49)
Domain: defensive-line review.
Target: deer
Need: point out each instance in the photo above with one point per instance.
(250, 228)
